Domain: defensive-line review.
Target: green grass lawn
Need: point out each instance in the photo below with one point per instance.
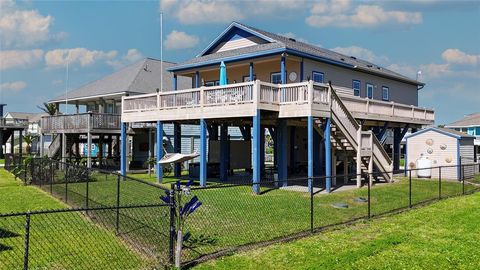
(58, 241)
(235, 215)
(2, 161)
(444, 235)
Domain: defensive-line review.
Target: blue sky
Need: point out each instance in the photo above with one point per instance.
(440, 38)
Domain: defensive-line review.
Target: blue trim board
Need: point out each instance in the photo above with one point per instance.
(436, 130)
(159, 146)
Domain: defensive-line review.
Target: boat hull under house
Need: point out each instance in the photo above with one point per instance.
(327, 113)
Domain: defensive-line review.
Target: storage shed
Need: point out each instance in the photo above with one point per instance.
(443, 147)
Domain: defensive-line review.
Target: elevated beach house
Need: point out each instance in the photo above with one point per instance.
(88, 127)
(280, 86)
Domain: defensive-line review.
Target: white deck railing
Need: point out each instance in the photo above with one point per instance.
(80, 122)
(273, 95)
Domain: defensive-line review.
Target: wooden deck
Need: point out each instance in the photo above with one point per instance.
(244, 99)
(81, 123)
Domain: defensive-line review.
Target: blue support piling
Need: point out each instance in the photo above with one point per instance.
(203, 153)
(256, 153)
(310, 152)
(223, 152)
(262, 150)
(328, 155)
(283, 70)
(123, 148)
(159, 150)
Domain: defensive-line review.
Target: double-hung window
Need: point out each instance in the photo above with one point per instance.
(356, 87)
(276, 77)
(385, 93)
(318, 76)
(369, 91)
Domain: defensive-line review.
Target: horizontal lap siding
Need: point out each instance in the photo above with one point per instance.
(417, 145)
(466, 152)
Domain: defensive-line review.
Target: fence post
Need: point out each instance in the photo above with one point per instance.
(66, 183)
(369, 190)
(463, 179)
(311, 207)
(52, 177)
(171, 243)
(27, 240)
(439, 183)
(32, 170)
(117, 218)
(410, 188)
(87, 189)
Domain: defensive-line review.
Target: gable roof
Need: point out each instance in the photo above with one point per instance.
(468, 121)
(445, 131)
(278, 44)
(138, 78)
(21, 115)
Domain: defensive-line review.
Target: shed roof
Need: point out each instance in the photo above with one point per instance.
(444, 131)
(277, 43)
(468, 121)
(138, 78)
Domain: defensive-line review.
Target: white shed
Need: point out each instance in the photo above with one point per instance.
(444, 147)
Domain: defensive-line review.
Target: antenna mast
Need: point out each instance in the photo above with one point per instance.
(161, 51)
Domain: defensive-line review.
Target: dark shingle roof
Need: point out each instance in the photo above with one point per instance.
(469, 120)
(281, 42)
(452, 132)
(140, 77)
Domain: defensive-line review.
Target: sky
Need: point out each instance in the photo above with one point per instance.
(441, 39)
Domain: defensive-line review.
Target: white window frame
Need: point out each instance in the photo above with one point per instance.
(385, 90)
(320, 74)
(369, 95)
(355, 89)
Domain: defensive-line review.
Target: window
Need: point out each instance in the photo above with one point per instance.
(356, 88)
(385, 93)
(212, 83)
(317, 76)
(247, 78)
(369, 91)
(276, 77)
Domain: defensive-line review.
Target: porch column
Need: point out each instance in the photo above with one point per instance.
(223, 152)
(396, 148)
(159, 150)
(177, 147)
(20, 143)
(110, 144)
(256, 153)
(301, 71)
(345, 168)
(328, 155)
(310, 152)
(64, 148)
(282, 70)
(41, 141)
(203, 152)
(123, 148)
(262, 150)
(100, 149)
(282, 152)
(317, 170)
(251, 71)
(89, 149)
(197, 79)
(292, 149)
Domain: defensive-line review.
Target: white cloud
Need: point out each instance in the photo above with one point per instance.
(361, 53)
(198, 12)
(19, 58)
(132, 55)
(341, 13)
(82, 56)
(456, 56)
(180, 40)
(24, 28)
(13, 86)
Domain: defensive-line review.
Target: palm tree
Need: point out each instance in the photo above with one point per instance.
(28, 139)
(49, 108)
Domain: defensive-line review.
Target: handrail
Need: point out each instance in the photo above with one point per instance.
(379, 146)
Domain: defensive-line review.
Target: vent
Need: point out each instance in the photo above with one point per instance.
(292, 39)
(369, 66)
(343, 59)
(353, 57)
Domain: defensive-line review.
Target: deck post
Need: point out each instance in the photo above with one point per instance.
(159, 151)
(328, 155)
(251, 71)
(174, 82)
(256, 152)
(283, 70)
(89, 149)
(396, 148)
(262, 150)
(203, 152)
(223, 152)
(197, 79)
(177, 147)
(123, 148)
(20, 143)
(282, 152)
(64, 148)
(359, 157)
(310, 152)
(41, 142)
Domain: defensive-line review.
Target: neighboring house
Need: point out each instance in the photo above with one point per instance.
(92, 124)
(442, 147)
(32, 123)
(8, 127)
(470, 124)
(281, 84)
